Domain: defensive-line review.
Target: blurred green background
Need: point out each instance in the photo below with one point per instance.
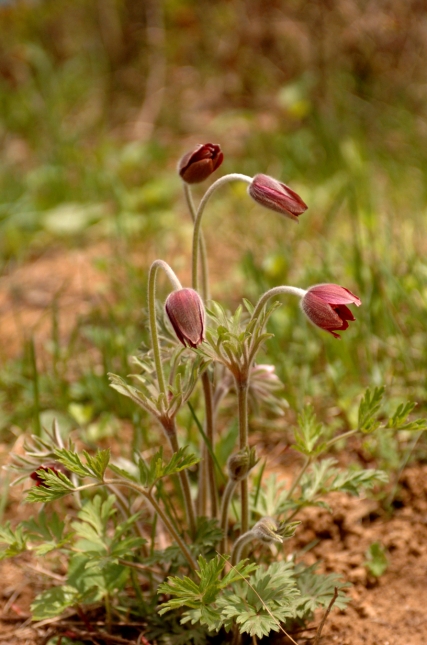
(98, 101)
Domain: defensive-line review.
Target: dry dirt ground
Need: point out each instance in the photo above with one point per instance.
(390, 610)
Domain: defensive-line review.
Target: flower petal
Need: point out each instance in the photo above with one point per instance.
(186, 313)
(276, 196)
(335, 295)
(196, 166)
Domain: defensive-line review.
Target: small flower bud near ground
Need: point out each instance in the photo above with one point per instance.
(240, 463)
(56, 468)
(277, 196)
(186, 313)
(266, 529)
(325, 306)
(196, 166)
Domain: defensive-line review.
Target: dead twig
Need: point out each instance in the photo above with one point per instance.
(323, 621)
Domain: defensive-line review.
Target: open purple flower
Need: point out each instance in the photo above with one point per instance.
(325, 305)
(198, 164)
(186, 312)
(277, 196)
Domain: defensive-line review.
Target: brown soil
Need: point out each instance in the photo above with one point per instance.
(385, 611)
(389, 610)
(28, 293)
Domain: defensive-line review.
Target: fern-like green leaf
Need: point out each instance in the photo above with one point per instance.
(369, 408)
(55, 485)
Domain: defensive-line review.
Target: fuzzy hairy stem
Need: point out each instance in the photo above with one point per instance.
(202, 490)
(242, 401)
(225, 507)
(158, 264)
(124, 509)
(160, 512)
(198, 219)
(275, 291)
(344, 435)
(237, 552)
(298, 477)
(169, 426)
(210, 434)
(202, 245)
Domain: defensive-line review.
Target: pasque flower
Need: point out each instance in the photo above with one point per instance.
(186, 312)
(326, 306)
(56, 468)
(277, 196)
(198, 164)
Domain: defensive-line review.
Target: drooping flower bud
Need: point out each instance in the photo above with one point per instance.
(266, 530)
(239, 464)
(277, 196)
(186, 313)
(325, 306)
(196, 166)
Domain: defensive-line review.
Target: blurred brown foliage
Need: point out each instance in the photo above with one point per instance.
(356, 56)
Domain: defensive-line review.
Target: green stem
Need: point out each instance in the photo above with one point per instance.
(202, 246)
(172, 436)
(184, 548)
(157, 264)
(122, 503)
(297, 479)
(202, 492)
(158, 509)
(198, 218)
(210, 434)
(225, 506)
(242, 400)
(344, 435)
(308, 461)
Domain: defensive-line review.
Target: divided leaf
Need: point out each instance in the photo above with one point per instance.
(308, 434)
(150, 474)
(399, 420)
(369, 408)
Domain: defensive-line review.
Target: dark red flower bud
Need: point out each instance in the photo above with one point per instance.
(277, 196)
(325, 306)
(197, 165)
(186, 312)
(56, 468)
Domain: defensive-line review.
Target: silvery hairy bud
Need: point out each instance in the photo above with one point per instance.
(266, 530)
(186, 313)
(239, 464)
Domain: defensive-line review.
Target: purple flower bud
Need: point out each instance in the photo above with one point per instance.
(56, 468)
(186, 312)
(277, 196)
(198, 164)
(325, 306)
